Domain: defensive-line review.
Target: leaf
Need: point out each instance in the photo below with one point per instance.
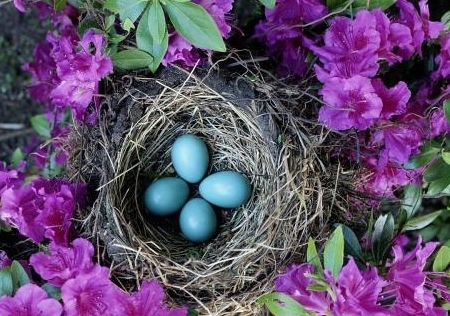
(17, 156)
(332, 4)
(41, 125)
(412, 199)
(445, 19)
(59, 5)
(438, 177)
(427, 153)
(4, 227)
(372, 4)
(446, 104)
(333, 254)
(6, 283)
(152, 35)
(195, 25)
(442, 260)
(270, 4)
(383, 232)
(420, 222)
(313, 257)
(19, 275)
(446, 157)
(52, 291)
(352, 246)
(132, 59)
(127, 9)
(280, 304)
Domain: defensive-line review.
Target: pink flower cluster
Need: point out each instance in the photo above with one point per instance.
(181, 51)
(353, 54)
(405, 289)
(284, 35)
(40, 209)
(86, 289)
(66, 70)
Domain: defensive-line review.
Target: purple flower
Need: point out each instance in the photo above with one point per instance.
(282, 33)
(351, 48)
(438, 123)
(9, 178)
(443, 58)
(295, 282)
(350, 103)
(19, 5)
(392, 35)
(394, 99)
(93, 294)
(4, 260)
(64, 263)
(19, 209)
(420, 26)
(408, 279)
(358, 292)
(398, 141)
(380, 176)
(148, 301)
(29, 300)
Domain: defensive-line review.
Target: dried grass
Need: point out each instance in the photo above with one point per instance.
(258, 137)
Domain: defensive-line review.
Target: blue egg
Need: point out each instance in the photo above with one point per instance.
(226, 189)
(190, 158)
(198, 221)
(166, 196)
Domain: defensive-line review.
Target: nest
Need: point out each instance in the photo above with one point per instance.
(246, 130)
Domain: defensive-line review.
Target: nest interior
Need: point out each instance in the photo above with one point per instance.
(245, 130)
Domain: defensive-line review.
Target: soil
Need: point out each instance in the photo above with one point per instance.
(19, 34)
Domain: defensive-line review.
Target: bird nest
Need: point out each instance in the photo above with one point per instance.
(246, 129)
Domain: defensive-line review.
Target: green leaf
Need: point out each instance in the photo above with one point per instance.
(19, 275)
(446, 157)
(132, 59)
(52, 291)
(383, 232)
(420, 222)
(372, 4)
(438, 177)
(127, 9)
(333, 4)
(446, 106)
(280, 304)
(41, 125)
(427, 153)
(4, 227)
(352, 246)
(17, 156)
(6, 282)
(412, 199)
(445, 19)
(195, 25)
(442, 260)
(152, 35)
(333, 254)
(270, 4)
(59, 5)
(313, 257)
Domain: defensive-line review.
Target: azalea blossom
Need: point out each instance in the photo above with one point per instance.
(350, 103)
(92, 294)
(408, 281)
(64, 263)
(148, 301)
(282, 32)
(29, 300)
(295, 282)
(443, 58)
(350, 48)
